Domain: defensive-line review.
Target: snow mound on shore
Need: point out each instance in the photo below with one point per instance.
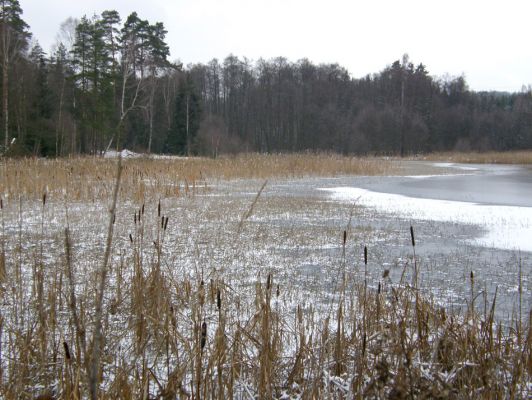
(124, 153)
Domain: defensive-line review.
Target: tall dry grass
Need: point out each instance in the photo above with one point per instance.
(490, 157)
(90, 178)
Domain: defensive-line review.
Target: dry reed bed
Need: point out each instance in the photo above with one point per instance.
(91, 179)
(491, 157)
(204, 315)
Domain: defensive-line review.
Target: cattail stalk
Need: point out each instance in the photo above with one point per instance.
(97, 335)
(365, 265)
(3, 271)
(414, 255)
(472, 288)
(520, 289)
(80, 332)
(250, 209)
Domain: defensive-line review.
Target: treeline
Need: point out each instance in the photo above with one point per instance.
(110, 84)
(277, 105)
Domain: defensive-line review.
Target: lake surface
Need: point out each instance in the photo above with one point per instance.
(482, 184)
(496, 199)
(467, 218)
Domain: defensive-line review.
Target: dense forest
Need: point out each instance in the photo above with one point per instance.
(109, 83)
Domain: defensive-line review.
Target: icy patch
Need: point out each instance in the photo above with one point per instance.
(453, 165)
(168, 157)
(422, 176)
(124, 153)
(433, 176)
(508, 227)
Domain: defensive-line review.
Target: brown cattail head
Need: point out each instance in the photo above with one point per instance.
(130, 238)
(365, 255)
(67, 351)
(269, 282)
(166, 223)
(412, 236)
(142, 210)
(201, 293)
(203, 334)
(278, 291)
(345, 237)
(212, 290)
(159, 209)
(135, 218)
(44, 199)
(162, 222)
(1, 204)
(218, 299)
(114, 218)
(379, 289)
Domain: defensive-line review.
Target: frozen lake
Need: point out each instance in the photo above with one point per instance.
(466, 218)
(500, 185)
(497, 199)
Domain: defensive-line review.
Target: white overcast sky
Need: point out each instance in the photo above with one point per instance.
(489, 42)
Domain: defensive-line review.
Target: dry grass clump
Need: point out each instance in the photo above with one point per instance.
(490, 157)
(265, 166)
(91, 179)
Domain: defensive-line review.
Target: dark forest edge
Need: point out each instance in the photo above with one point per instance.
(111, 85)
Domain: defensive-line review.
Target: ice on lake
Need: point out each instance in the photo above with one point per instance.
(506, 227)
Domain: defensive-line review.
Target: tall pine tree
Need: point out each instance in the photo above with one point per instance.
(182, 136)
(14, 39)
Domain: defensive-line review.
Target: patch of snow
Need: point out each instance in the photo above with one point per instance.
(443, 164)
(433, 176)
(508, 227)
(168, 157)
(453, 165)
(124, 153)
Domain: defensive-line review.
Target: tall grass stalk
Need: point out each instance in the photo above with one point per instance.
(415, 278)
(102, 281)
(82, 361)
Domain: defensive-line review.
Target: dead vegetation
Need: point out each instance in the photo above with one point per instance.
(490, 157)
(90, 178)
(153, 321)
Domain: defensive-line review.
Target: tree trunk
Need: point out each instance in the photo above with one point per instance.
(151, 129)
(5, 94)
(188, 137)
(152, 94)
(402, 117)
(59, 122)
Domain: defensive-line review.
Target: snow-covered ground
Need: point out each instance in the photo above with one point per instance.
(131, 154)
(124, 153)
